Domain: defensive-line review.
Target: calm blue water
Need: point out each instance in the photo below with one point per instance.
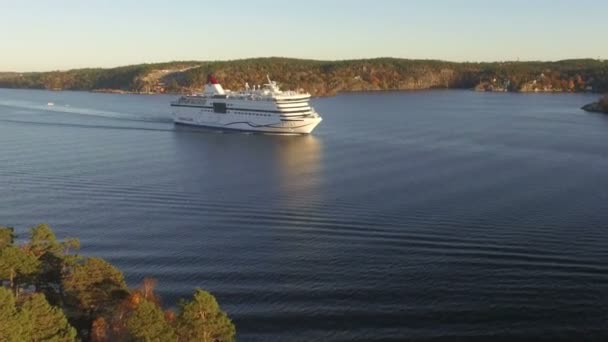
(417, 216)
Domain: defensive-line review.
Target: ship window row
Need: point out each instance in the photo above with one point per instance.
(236, 112)
(292, 100)
(256, 114)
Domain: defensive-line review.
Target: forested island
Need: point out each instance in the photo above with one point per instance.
(49, 293)
(322, 78)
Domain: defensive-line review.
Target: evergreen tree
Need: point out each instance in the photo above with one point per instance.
(43, 240)
(14, 325)
(95, 286)
(202, 320)
(147, 323)
(7, 236)
(14, 262)
(48, 323)
(54, 258)
(70, 244)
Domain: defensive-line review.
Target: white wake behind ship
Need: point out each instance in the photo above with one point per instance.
(260, 109)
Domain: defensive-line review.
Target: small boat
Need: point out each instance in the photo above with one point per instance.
(50, 104)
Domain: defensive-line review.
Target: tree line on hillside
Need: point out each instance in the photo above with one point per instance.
(328, 77)
(48, 293)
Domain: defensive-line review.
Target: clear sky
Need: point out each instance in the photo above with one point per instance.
(64, 34)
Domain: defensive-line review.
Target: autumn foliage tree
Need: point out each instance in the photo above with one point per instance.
(140, 317)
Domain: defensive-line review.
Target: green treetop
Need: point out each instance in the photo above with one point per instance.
(7, 236)
(48, 323)
(55, 258)
(42, 240)
(14, 324)
(16, 263)
(202, 320)
(95, 285)
(148, 324)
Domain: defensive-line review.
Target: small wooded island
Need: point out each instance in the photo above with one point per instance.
(600, 106)
(48, 293)
(322, 78)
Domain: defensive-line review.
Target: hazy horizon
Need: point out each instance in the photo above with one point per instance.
(69, 34)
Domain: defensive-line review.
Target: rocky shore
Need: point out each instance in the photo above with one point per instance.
(600, 106)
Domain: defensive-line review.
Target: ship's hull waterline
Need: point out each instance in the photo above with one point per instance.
(239, 122)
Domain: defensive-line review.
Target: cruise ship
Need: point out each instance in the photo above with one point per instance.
(259, 108)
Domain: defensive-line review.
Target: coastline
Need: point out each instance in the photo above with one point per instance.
(326, 78)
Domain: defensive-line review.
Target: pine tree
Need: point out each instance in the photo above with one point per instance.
(48, 323)
(95, 286)
(202, 320)
(147, 323)
(54, 257)
(14, 262)
(14, 325)
(7, 236)
(43, 240)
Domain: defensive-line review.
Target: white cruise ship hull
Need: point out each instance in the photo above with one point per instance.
(245, 121)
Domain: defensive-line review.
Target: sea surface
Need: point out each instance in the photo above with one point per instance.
(434, 215)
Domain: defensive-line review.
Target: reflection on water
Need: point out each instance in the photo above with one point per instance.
(254, 166)
(298, 161)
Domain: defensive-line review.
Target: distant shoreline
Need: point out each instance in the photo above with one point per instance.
(127, 92)
(324, 78)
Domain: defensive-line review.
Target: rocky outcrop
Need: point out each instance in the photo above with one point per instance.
(598, 107)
